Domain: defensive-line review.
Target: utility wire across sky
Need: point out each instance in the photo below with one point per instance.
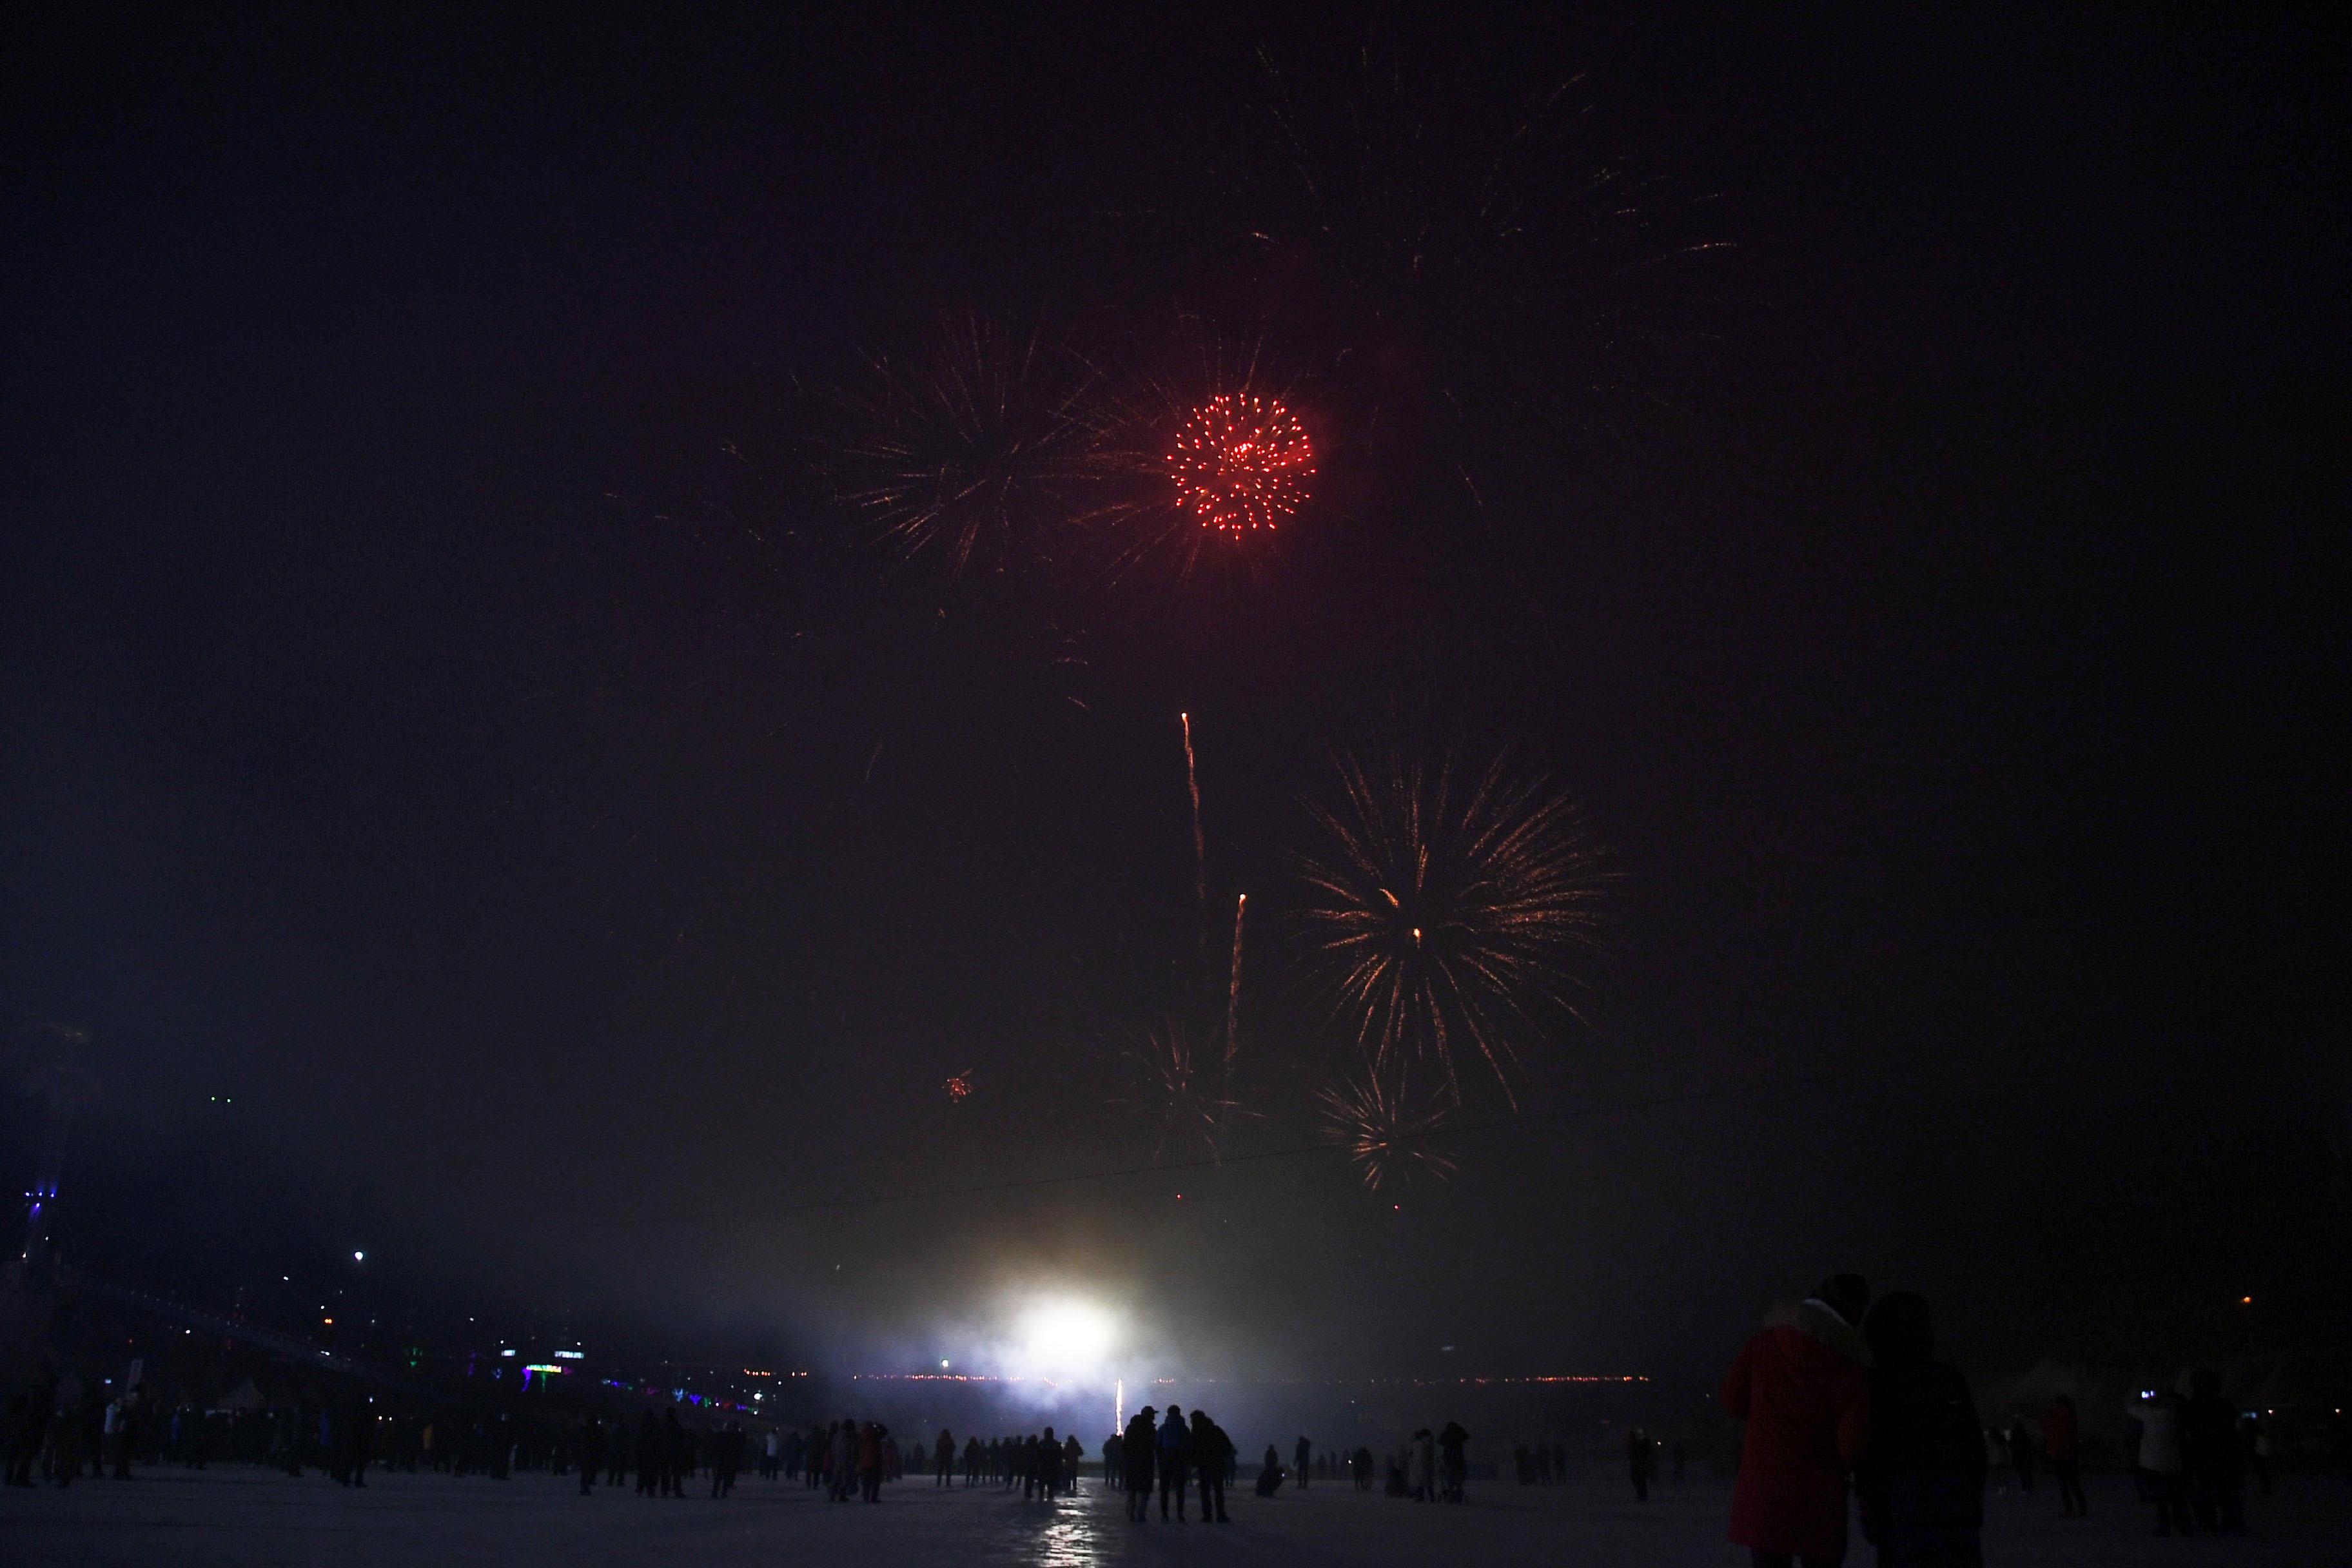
(1755, 1087)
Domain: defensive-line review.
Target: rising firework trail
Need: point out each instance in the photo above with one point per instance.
(1234, 992)
(1199, 848)
(1446, 906)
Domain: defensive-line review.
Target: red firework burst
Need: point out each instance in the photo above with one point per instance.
(1241, 462)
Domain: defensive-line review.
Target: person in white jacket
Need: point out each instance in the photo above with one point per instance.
(2160, 1461)
(1424, 1467)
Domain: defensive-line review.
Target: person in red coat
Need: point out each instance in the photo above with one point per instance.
(1803, 1388)
(2062, 1441)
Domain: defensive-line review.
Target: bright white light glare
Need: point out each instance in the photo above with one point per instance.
(359, 1257)
(1066, 1339)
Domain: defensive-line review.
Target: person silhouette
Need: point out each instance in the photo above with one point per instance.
(1175, 1456)
(1138, 1447)
(1920, 1483)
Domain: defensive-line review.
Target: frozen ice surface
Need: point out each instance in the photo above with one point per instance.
(256, 1519)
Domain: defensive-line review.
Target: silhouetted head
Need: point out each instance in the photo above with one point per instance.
(2207, 1384)
(2066, 1402)
(1846, 1295)
(1900, 1329)
(1147, 1412)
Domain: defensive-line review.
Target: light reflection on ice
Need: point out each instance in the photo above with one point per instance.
(1070, 1541)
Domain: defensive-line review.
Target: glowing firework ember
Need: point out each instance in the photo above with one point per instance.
(1241, 463)
(958, 1087)
(1446, 906)
(1381, 1129)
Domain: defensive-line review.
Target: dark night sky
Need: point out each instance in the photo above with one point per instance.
(1936, 607)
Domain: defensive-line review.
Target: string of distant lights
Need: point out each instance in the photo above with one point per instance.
(1610, 1379)
(291, 1348)
(1291, 1152)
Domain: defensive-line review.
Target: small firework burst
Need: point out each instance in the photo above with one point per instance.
(1208, 452)
(1385, 1130)
(1241, 463)
(1181, 1090)
(958, 1089)
(1446, 904)
(977, 452)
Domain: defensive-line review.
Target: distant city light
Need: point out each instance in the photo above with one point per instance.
(572, 1355)
(943, 1363)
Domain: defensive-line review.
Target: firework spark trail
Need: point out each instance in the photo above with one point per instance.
(1381, 1127)
(980, 449)
(1200, 848)
(1447, 913)
(1234, 992)
(1170, 1086)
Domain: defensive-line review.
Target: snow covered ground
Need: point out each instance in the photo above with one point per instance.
(253, 1519)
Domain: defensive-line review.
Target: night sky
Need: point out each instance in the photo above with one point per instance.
(492, 808)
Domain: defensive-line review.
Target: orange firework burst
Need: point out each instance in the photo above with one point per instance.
(1383, 1128)
(1446, 904)
(958, 1087)
(1241, 463)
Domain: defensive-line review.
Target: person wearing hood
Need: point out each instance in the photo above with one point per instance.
(1136, 1446)
(1803, 1389)
(1921, 1484)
